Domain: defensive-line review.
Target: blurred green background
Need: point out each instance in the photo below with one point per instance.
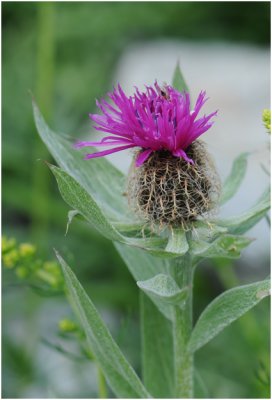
(66, 54)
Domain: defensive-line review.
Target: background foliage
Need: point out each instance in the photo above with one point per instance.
(65, 53)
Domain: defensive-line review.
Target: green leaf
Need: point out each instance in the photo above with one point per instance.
(154, 245)
(80, 200)
(207, 230)
(165, 288)
(226, 246)
(119, 373)
(141, 265)
(157, 350)
(105, 183)
(178, 81)
(144, 266)
(177, 243)
(233, 181)
(242, 223)
(224, 310)
(71, 216)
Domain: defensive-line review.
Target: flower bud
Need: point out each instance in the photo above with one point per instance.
(267, 119)
(170, 192)
(67, 325)
(27, 250)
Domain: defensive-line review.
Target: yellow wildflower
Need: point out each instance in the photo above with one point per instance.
(267, 119)
(66, 325)
(11, 258)
(27, 250)
(7, 244)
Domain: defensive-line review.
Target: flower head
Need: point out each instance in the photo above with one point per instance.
(168, 191)
(157, 119)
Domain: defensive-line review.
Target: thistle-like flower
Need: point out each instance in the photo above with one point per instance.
(158, 119)
(172, 182)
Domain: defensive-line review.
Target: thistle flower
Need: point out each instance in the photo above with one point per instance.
(174, 181)
(169, 191)
(158, 119)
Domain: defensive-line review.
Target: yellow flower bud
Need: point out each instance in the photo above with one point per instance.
(11, 258)
(7, 244)
(267, 119)
(21, 272)
(66, 325)
(27, 250)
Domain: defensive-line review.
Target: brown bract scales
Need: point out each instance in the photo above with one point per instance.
(169, 192)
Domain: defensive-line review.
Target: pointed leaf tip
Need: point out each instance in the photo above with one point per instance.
(71, 215)
(178, 81)
(235, 178)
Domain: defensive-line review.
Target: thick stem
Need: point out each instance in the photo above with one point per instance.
(182, 326)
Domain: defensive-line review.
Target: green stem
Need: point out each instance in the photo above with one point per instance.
(102, 386)
(182, 326)
(44, 95)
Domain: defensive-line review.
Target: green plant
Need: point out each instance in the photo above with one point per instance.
(163, 267)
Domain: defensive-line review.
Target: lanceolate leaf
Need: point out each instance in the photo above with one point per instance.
(119, 373)
(104, 182)
(157, 350)
(178, 81)
(225, 309)
(242, 223)
(80, 200)
(233, 181)
(227, 246)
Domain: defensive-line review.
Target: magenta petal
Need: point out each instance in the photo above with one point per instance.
(104, 142)
(181, 153)
(78, 145)
(106, 152)
(142, 157)
(158, 118)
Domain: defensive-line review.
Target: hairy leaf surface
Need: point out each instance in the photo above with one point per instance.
(225, 309)
(242, 223)
(165, 288)
(157, 350)
(104, 182)
(226, 246)
(235, 178)
(119, 373)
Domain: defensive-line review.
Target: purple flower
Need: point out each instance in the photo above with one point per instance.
(157, 119)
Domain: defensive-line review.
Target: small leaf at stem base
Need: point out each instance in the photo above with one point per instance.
(165, 288)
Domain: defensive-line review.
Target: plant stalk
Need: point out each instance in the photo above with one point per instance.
(182, 326)
(102, 386)
(44, 94)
